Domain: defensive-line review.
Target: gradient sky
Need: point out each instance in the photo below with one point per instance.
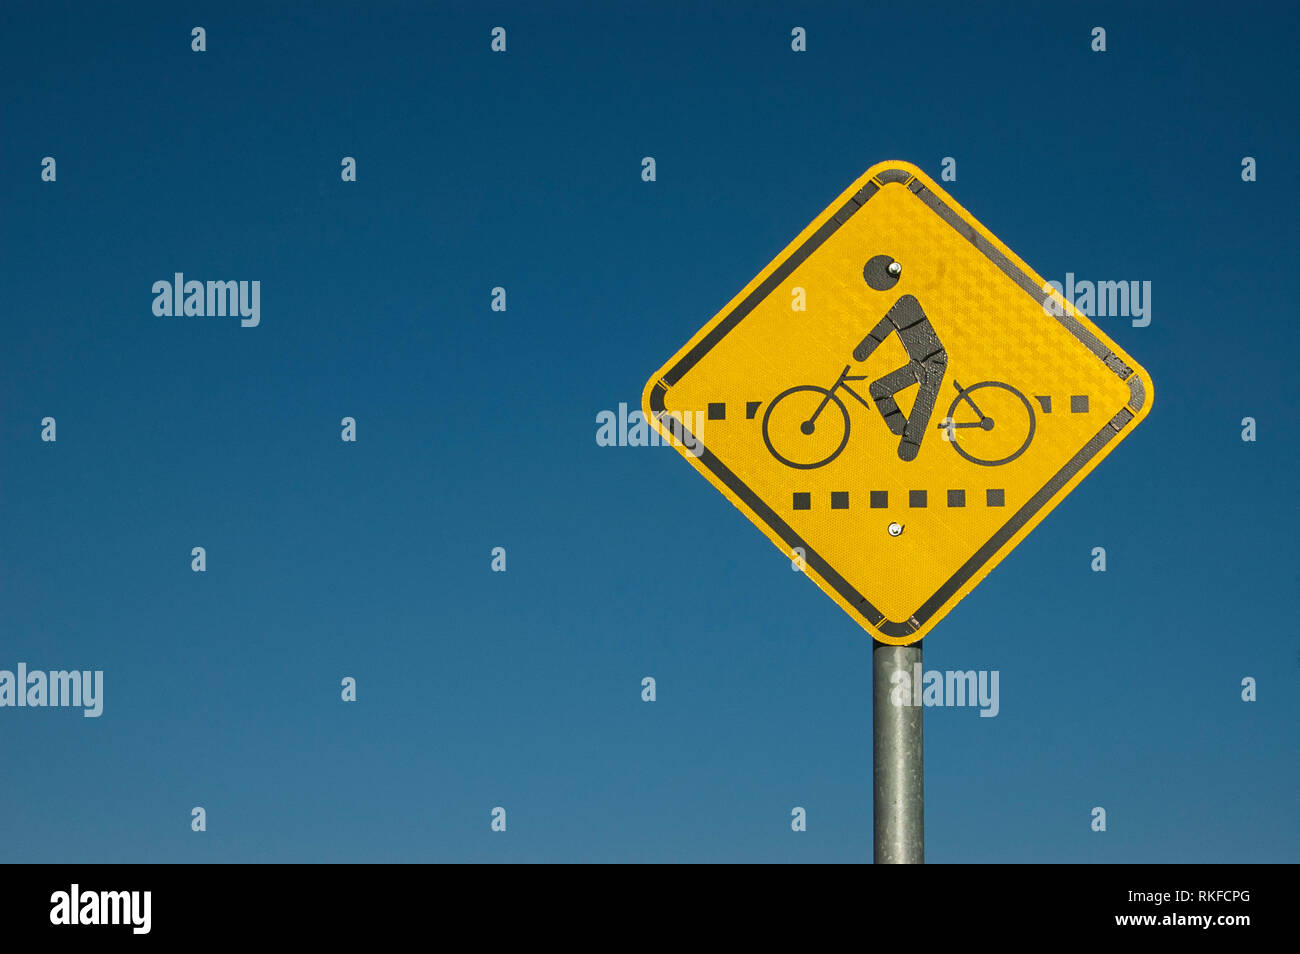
(477, 429)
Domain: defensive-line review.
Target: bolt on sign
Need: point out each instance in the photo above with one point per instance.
(896, 400)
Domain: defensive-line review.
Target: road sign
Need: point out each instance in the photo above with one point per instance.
(897, 400)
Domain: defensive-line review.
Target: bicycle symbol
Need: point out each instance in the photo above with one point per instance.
(800, 433)
(990, 440)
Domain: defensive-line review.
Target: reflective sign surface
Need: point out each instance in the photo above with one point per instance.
(897, 400)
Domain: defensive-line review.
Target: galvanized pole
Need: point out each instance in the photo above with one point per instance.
(898, 756)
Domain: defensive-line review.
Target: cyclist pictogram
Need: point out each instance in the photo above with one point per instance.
(807, 426)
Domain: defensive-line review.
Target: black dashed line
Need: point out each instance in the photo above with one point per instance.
(916, 499)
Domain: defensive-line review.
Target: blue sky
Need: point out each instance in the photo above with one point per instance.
(477, 429)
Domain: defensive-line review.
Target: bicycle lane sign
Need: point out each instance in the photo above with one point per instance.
(897, 400)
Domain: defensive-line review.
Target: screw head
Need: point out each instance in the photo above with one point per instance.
(895, 269)
(895, 529)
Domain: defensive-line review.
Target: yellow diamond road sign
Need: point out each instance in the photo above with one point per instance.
(897, 400)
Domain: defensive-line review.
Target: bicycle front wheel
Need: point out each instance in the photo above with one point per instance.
(806, 427)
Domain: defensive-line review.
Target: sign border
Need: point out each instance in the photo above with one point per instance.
(970, 573)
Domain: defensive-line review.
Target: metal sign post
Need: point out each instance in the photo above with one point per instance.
(898, 765)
